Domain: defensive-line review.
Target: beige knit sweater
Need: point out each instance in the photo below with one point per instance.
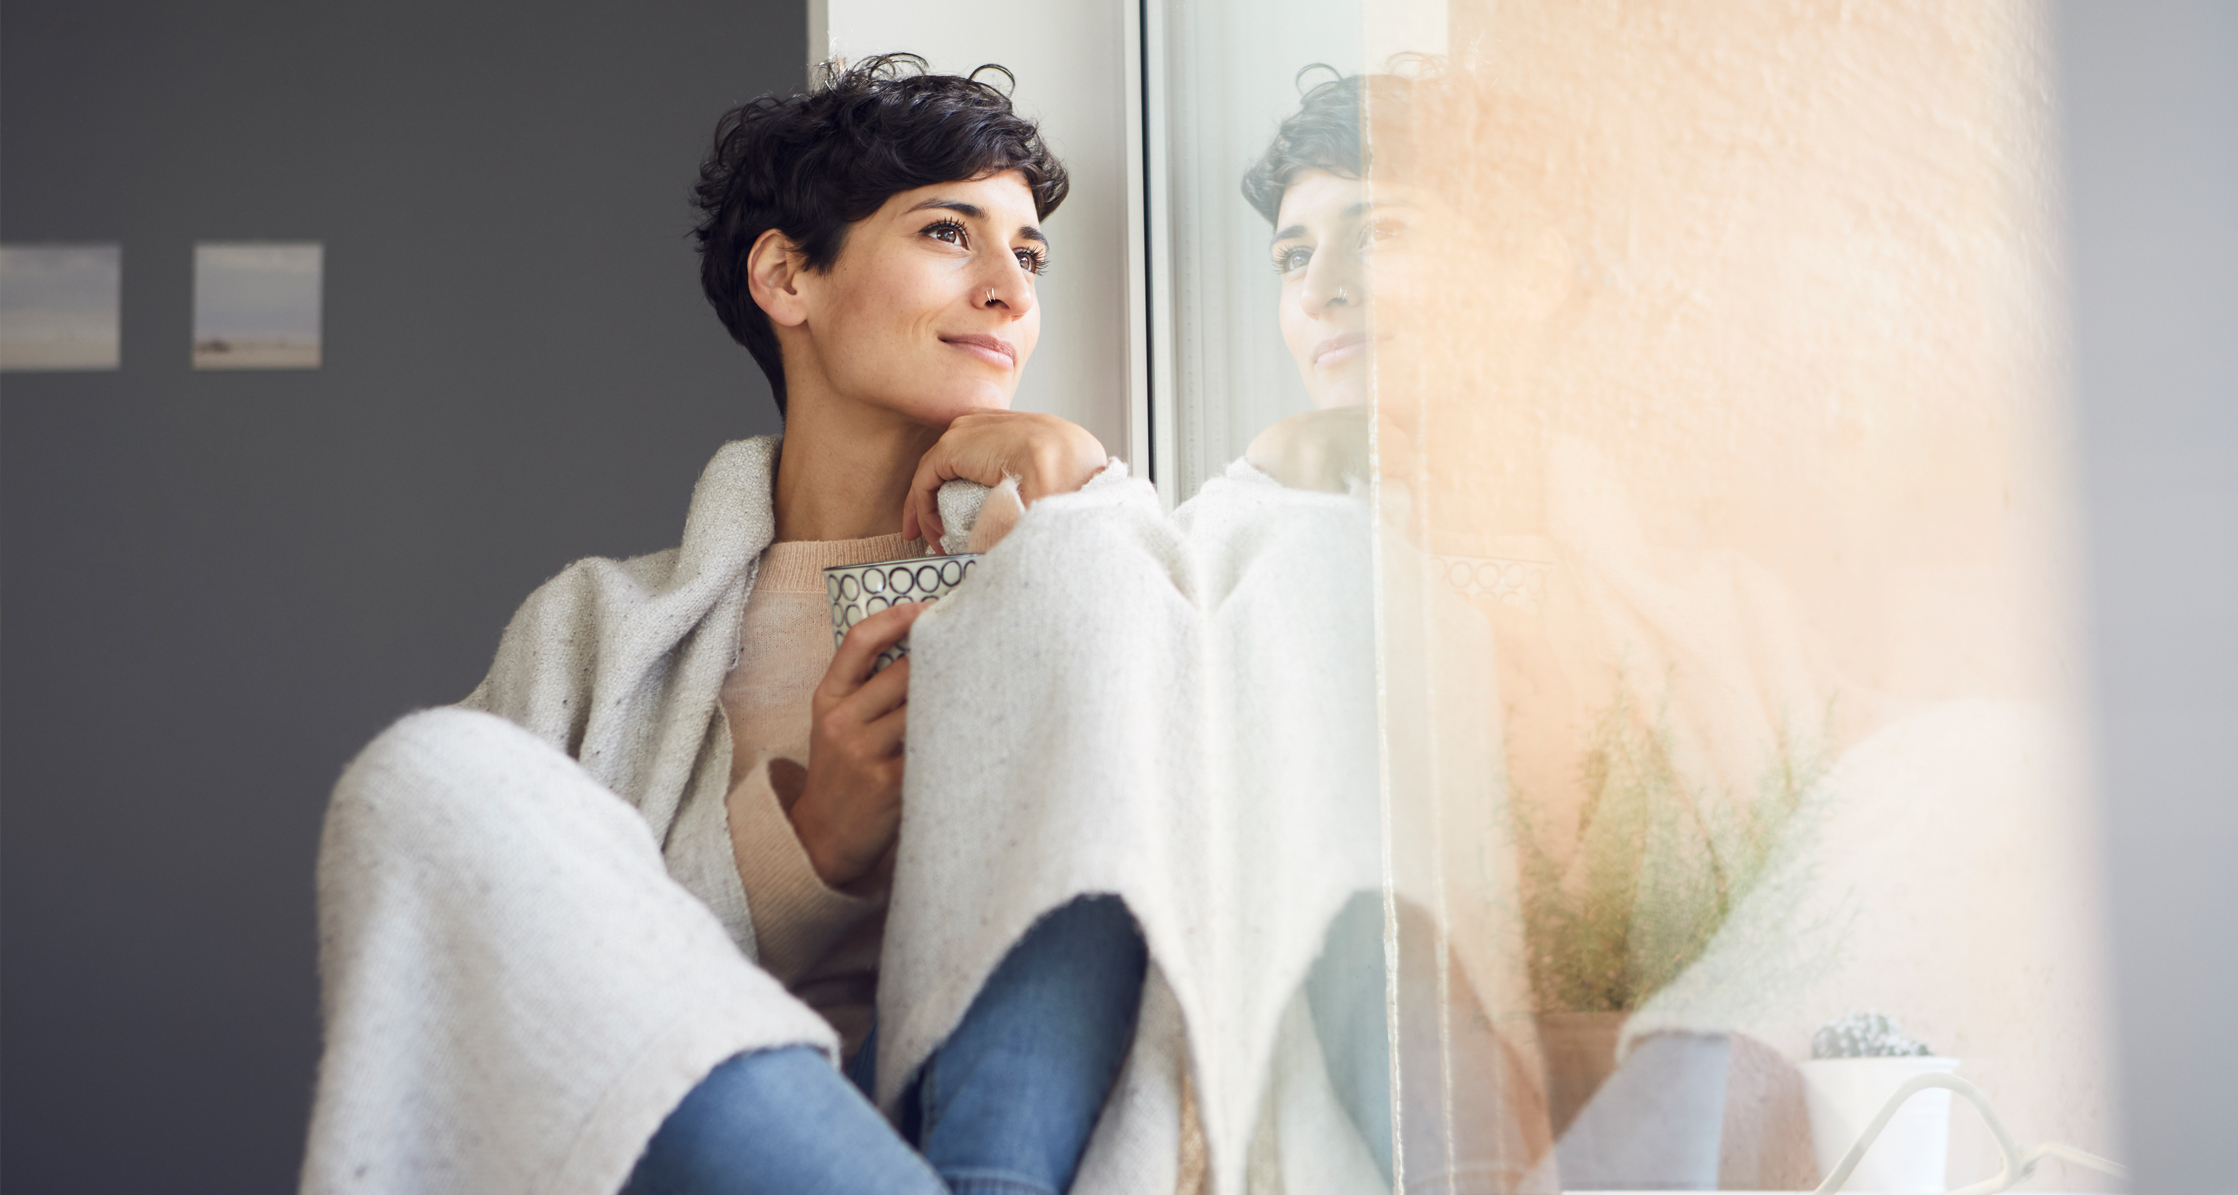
(821, 943)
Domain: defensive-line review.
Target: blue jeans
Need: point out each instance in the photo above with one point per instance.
(1462, 1100)
(1345, 994)
(1004, 1105)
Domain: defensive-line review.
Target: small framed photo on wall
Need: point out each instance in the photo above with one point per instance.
(256, 304)
(59, 306)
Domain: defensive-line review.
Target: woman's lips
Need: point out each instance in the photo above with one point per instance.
(994, 350)
(1336, 350)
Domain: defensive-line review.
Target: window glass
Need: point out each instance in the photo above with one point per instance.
(1704, 372)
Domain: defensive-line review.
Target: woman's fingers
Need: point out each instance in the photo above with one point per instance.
(881, 694)
(849, 801)
(851, 664)
(1046, 454)
(883, 735)
(1314, 450)
(920, 513)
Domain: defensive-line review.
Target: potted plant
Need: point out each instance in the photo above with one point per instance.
(1655, 877)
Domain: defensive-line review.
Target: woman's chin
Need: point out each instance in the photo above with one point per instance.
(936, 401)
(962, 401)
(1345, 392)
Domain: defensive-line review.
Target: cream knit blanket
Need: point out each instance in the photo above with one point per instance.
(1183, 711)
(533, 937)
(533, 940)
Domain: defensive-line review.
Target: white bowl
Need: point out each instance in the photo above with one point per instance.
(1912, 1153)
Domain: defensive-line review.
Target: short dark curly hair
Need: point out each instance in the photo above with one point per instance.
(812, 163)
(1325, 134)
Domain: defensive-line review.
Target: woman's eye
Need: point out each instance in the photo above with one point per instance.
(1379, 231)
(947, 232)
(1291, 260)
(1032, 261)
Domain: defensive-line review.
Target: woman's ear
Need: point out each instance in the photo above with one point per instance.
(773, 272)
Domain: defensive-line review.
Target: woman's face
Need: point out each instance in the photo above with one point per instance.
(929, 309)
(1328, 231)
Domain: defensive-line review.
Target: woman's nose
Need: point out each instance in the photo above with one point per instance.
(1332, 280)
(1007, 288)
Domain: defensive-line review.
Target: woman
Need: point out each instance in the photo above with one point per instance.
(522, 989)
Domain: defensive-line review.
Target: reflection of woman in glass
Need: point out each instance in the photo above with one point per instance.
(1470, 1117)
(1351, 254)
(1311, 184)
(646, 898)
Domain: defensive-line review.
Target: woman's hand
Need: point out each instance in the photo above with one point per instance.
(848, 808)
(1314, 450)
(1046, 454)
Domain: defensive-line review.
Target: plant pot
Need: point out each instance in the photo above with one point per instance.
(1652, 1123)
(1912, 1153)
(1580, 1053)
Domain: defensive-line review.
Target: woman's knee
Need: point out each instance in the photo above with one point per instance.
(777, 1120)
(447, 780)
(1092, 942)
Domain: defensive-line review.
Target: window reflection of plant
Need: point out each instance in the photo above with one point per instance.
(1659, 867)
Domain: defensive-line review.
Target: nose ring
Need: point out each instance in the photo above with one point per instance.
(990, 300)
(1341, 297)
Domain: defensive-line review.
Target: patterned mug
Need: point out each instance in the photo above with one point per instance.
(860, 590)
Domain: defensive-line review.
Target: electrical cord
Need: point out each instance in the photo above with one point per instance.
(2016, 1165)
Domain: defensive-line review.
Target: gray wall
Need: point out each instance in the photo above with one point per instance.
(218, 585)
(2150, 92)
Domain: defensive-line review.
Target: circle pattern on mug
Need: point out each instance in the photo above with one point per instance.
(858, 591)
